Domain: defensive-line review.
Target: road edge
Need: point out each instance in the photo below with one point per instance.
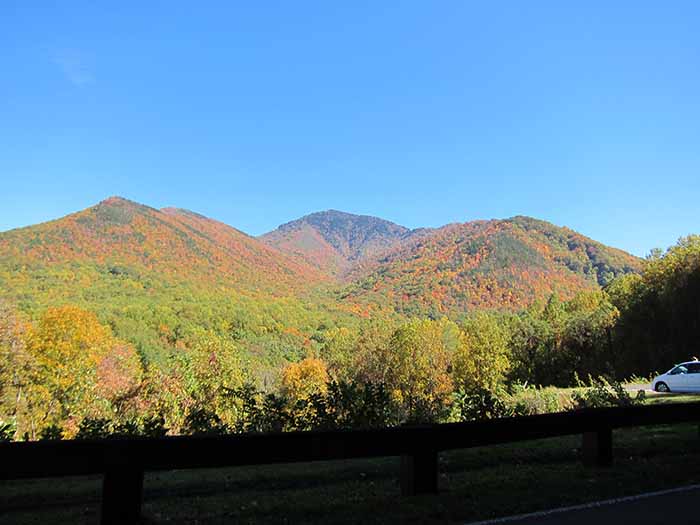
(584, 506)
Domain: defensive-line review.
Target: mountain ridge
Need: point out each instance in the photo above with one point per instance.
(371, 262)
(497, 263)
(174, 242)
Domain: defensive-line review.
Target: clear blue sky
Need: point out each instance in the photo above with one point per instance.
(423, 112)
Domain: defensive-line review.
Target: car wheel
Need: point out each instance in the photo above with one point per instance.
(662, 387)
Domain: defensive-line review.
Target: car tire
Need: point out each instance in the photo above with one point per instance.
(661, 387)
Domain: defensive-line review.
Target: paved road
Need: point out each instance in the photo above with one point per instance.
(639, 386)
(634, 388)
(674, 506)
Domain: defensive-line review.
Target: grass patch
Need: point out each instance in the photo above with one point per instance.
(474, 484)
(662, 399)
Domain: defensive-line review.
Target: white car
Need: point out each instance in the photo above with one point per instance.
(684, 377)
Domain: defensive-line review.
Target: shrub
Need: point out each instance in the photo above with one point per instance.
(478, 404)
(200, 421)
(529, 400)
(360, 405)
(339, 405)
(602, 393)
(125, 429)
(7, 430)
(51, 432)
(153, 426)
(94, 428)
(350, 404)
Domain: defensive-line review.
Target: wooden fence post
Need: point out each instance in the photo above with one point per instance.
(419, 473)
(122, 494)
(597, 448)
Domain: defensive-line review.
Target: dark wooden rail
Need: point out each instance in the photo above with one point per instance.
(123, 461)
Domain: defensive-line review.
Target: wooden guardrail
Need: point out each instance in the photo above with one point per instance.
(123, 461)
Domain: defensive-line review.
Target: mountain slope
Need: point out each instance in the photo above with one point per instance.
(335, 241)
(486, 264)
(138, 252)
(172, 245)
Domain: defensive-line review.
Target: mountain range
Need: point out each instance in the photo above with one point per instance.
(478, 264)
(358, 261)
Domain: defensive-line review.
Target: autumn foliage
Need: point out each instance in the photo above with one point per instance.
(123, 319)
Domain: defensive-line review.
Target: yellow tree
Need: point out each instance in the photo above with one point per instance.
(415, 365)
(337, 351)
(482, 359)
(303, 385)
(67, 346)
(301, 380)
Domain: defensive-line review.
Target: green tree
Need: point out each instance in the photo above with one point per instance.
(660, 321)
(337, 351)
(483, 356)
(211, 367)
(415, 365)
(15, 366)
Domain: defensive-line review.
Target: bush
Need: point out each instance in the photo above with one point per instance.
(52, 432)
(360, 405)
(153, 426)
(94, 428)
(101, 428)
(125, 429)
(340, 405)
(602, 393)
(480, 404)
(349, 404)
(7, 430)
(529, 400)
(201, 421)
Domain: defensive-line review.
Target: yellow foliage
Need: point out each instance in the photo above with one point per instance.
(482, 359)
(300, 380)
(414, 363)
(67, 347)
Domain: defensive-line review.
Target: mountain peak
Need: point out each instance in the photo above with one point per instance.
(116, 200)
(337, 213)
(116, 210)
(334, 240)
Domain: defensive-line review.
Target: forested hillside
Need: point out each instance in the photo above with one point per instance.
(498, 264)
(178, 245)
(123, 318)
(161, 278)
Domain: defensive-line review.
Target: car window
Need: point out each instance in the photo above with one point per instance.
(680, 369)
(693, 368)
